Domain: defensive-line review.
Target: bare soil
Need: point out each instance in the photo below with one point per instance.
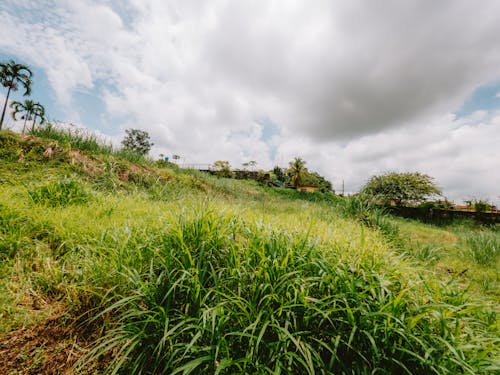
(49, 347)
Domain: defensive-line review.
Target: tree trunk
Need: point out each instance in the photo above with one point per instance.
(33, 126)
(4, 107)
(25, 120)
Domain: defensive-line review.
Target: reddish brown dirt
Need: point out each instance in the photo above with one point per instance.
(50, 347)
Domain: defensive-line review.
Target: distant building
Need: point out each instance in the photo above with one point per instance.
(308, 188)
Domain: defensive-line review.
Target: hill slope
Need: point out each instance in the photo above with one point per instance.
(110, 262)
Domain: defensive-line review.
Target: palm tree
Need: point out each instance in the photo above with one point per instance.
(31, 111)
(26, 107)
(297, 170)
(11, 76)
(38, 112)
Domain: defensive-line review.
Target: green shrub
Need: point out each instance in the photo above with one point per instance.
(60, 193)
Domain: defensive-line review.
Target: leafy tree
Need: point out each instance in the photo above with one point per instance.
(27, 107)
(137, 141)
(400, 188)
(297, 171)
(31, 110)
(280, 174)
(314, 178)
(222, 168)
(251, 163)
(11, 76)
(480, 205)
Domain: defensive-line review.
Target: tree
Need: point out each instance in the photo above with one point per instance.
(314, 178)
(280, 174)
(400, 188)
(137, 141)
(11, 76)
(297, 171)
(222, 168)
(31, 111)
(38, 113)
(251, 163)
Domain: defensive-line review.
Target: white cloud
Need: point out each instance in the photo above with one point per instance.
(462, 155)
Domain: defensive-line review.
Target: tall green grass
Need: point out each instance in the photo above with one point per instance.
(224, 296)
(86, 140)
(482, 247)
(60, 193)
(70, 136)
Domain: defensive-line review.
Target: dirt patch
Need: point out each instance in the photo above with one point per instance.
(89, 165)
(50, 347)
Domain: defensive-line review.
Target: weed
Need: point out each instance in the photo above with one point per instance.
(60, 193)
(427, 253)
(73, 137)
(482, 247)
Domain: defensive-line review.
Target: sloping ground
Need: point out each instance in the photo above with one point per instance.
(49, 347)
(154, 270)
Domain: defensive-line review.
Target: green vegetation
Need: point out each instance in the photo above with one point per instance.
(176, 271)
(12, 75)
(480, 205)
(402, 189)
(32, 111)
(137, 141)
(297, 170)
(222, 168)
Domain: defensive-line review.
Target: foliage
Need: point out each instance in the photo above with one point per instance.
(400, 188)
(73, 137)
(12, 75)
(251, 163)
(176, 277)
(480, 205)
(438, 204)
(281, 175)
(315, 179)
(482, 247)
(222, 168)
(60, 193)
(32, 111)
(297, 170)
(273, 303)
(137, 141)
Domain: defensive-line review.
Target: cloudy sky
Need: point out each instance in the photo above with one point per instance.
(356, 88)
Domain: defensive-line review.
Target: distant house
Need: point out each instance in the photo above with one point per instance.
(308, 188)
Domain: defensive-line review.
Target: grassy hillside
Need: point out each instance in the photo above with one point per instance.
(110, 262)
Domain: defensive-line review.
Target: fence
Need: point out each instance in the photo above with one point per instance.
(435, 215)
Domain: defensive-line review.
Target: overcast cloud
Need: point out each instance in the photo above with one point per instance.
(354, 87)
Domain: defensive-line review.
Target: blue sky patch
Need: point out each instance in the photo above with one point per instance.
(484, 98)
(41, 90)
